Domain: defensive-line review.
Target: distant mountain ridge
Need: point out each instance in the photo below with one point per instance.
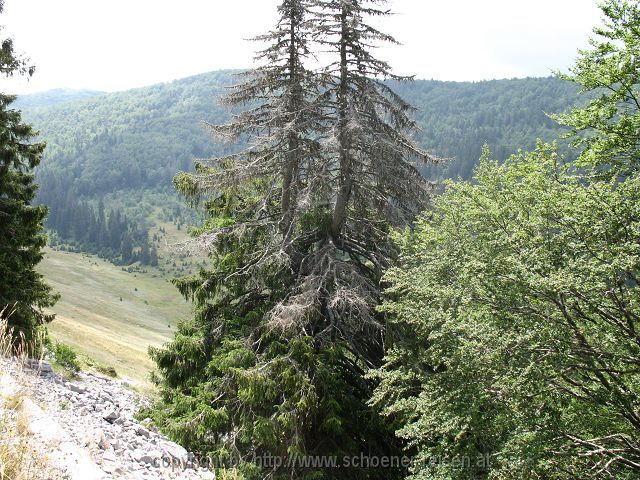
(53, 97)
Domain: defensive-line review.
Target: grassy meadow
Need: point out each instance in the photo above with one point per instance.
(111, 315)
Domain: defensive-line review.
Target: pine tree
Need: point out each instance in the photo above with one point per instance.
(371, 180)
(23, 293)
(144, 254)
(126, 248)
(285, 326)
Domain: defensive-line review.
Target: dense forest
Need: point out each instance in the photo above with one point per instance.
(79, 226)
(493, 326)
(53, 97)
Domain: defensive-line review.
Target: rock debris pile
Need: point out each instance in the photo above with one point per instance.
(88, 428)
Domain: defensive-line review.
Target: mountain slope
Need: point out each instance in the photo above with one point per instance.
(132, 139)
(126, 147)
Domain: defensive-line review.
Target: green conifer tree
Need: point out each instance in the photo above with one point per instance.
(274, 362)
(23, 293)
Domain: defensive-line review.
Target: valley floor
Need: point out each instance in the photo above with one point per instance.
(111, 315)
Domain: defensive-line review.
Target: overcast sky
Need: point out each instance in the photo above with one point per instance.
(120, 44)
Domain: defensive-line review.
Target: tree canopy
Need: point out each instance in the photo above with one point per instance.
(606, 129)
(514, 308)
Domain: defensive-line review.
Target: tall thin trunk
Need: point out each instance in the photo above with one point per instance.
(345, 180)
(292, 153)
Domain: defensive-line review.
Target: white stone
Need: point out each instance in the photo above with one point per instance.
(110, 414)
(102, 440)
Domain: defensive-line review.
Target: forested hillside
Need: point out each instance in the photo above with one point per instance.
(126, 147)
(142, 137)
(457, 118)
(349, 318)
(128, 140)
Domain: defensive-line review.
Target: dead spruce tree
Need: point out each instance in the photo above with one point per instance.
(272, 366)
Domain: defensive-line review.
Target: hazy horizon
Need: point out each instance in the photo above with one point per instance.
(80, 89)
(84, 45)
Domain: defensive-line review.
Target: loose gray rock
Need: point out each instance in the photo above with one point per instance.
(76, 388)
(45, 368)
(102, 440)
(176, 451)
(110, 415)
(154, 457)
(97, 415)
(137, 454)
(110, 456)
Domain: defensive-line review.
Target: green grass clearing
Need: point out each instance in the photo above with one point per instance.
(111, 315)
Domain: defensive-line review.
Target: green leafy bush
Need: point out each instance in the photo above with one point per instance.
(66, 357)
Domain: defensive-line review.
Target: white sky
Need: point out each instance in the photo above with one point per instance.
(120, 44)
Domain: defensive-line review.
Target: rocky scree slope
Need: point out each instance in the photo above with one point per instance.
(86, 427)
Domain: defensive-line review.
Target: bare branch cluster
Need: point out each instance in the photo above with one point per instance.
(328, 168)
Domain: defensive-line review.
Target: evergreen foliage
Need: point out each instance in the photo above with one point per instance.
(506, 345)
(77, 224)
(125, 147)
(23, 293)
(57, 96)
(285, 326)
